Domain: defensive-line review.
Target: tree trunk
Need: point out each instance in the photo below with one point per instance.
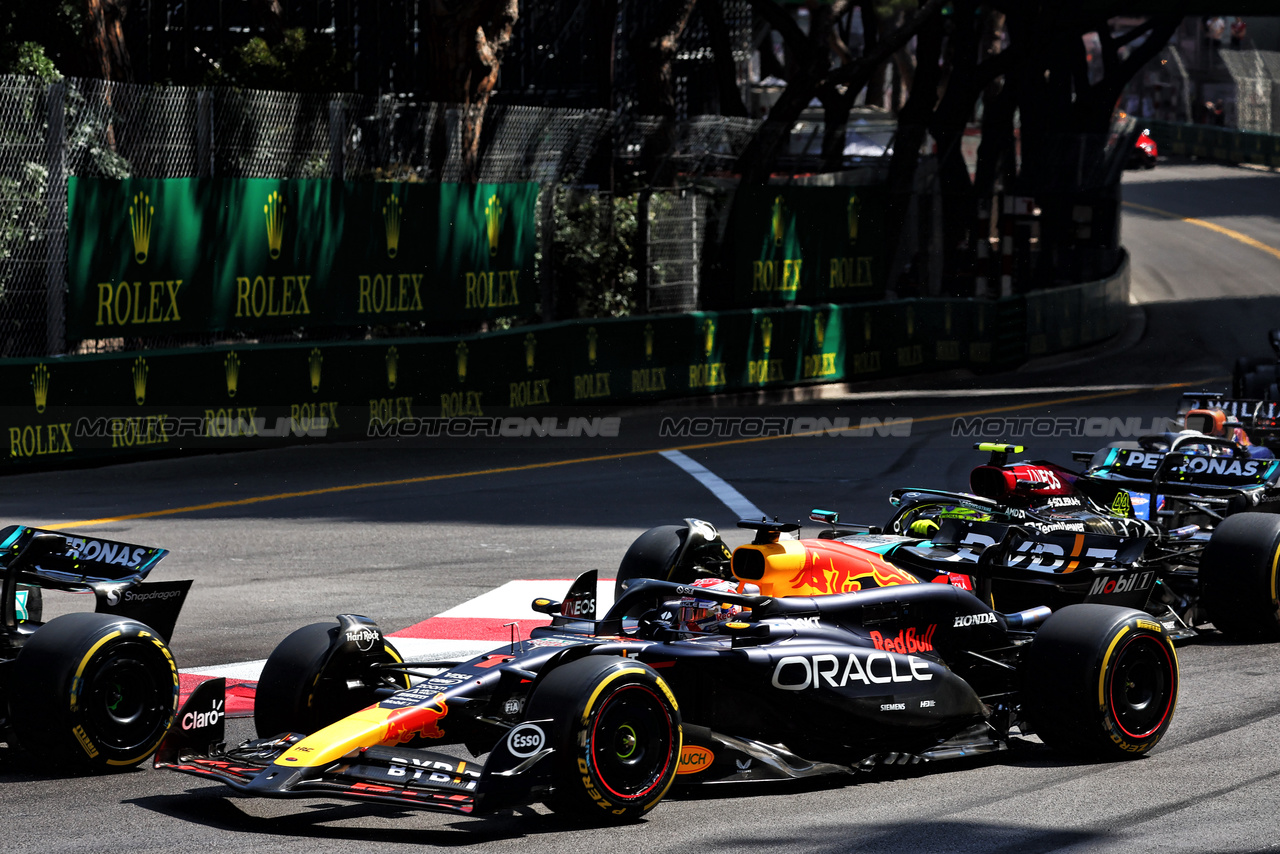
(465, 42)
(108, 56)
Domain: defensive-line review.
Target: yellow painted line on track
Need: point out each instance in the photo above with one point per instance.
(406, 481)
(1203, 223)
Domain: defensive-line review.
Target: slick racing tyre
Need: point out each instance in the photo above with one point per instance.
(1100, 681)
(1238, 577)
(653, 555)
(93, 691)
(303, 688)
(616, 734)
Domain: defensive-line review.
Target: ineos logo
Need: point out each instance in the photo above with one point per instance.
(525, 740)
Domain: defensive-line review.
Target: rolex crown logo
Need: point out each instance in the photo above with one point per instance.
(314, 361)
(820, 327)
(866, 326)
(391, 220)
(393, 359)
(766, 335)
(462, 361)
(708, 337)
(648, 341)
(778, 231)
(911, 322)
(592, 337)
(40, 384)
(493, 222)
(530, 347)
(946, 318)
(232, 366)
(275, 210)
(855, 207)
(140, 213)
(140, 380)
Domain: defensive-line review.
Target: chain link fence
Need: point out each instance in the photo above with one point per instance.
(1256, 75)
(92, 128)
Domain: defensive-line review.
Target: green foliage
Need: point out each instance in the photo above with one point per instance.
(27, 59)
(294, 64)
(594, 254)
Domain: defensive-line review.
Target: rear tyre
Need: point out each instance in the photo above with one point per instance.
(616, 734)
(1100, 682)
(93, 691)
(303, 688)
(1238, 577)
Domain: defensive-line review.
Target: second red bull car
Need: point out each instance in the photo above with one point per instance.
(598, 715)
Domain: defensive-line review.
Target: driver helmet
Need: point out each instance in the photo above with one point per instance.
(697, 614)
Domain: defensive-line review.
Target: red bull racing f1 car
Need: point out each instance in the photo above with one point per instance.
(598, 714)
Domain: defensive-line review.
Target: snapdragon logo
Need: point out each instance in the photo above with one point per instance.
(1097, 427)
(723, 427)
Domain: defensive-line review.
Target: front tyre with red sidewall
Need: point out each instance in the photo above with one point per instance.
(616, 735)
(1100, 681)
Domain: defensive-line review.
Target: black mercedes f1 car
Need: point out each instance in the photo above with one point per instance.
(598, 715)
(1037, 533)
(97, 689)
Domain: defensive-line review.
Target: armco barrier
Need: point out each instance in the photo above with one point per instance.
(1216, 143)
(81, 408)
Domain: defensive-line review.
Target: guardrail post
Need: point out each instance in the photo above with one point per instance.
(56, 221)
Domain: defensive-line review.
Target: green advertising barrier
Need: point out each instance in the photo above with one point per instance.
(139, 257)
(80, 408)
(486, 242)
(149, 257)
(808, 245)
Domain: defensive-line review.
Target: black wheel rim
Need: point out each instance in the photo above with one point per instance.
(1142, 686)
(631, 742)
(127, 706)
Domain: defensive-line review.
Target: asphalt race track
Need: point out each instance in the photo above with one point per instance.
(278, 539)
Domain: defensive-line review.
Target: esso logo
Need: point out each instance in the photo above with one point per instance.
(525, 740)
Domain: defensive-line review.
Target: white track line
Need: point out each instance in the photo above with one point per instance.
(732, 498)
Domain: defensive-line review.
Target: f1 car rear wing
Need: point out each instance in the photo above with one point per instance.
(1185, 469)
(114, 571)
